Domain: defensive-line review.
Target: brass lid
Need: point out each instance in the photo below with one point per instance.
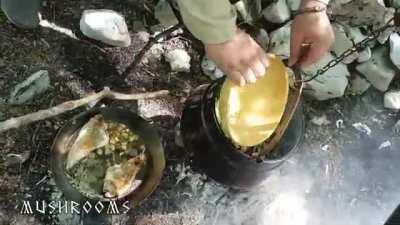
(250, 114)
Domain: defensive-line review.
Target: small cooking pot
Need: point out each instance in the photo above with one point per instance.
(154, 154)
(218, 157)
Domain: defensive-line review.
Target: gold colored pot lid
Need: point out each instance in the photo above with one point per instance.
(250, 114)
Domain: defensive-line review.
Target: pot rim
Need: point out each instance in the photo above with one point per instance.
(146, 131)
(226, 139)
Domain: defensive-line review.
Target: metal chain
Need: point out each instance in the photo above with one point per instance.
(357, 47)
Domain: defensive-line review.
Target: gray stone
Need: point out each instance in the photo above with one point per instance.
(342, 43)
(379, 70)
(362, 13)
(105, 25)
(241, 8)
(36, 84)
(14, 159)
(395, 49)
(332, 84)
(280, 42)
(277, 12)
(354, 33)
(248, 10)
(385, 145)
(359, 85)
(363, 128)
(263, 39)
(210, 69)
(149, 108)
(156, 51)
(179, 60)
(391, 100)
(384, 36)
(164, 13)
(364, 55)
(320, 120)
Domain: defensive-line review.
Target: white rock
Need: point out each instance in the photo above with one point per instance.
(105, 25)
(342, 43)
(385, 145)
(320, 120)
(391, 100)
(384, 36)
(263, 39)
(277, 12)
(332, 84)
(395, 49)
(363, 128)
(241, 8)
(339, 124)
(364, 55)
(354, 33)
(210, 68)
(179, 60)
(379, 70)
(35, 84)
(156, 51)
(280, 42)
(359, 85)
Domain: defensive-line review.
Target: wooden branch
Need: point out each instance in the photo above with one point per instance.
(73, 104)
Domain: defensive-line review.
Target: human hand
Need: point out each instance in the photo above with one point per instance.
(310, 28)
(240, 58)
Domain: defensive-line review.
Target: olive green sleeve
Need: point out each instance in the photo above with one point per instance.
(211, 21)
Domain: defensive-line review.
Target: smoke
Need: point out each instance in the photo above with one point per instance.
(354, 185)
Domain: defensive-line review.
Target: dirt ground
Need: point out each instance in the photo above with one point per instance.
(77, 68)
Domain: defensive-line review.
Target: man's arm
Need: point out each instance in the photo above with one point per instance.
(211, 21)
(311, 28)
(234, 51)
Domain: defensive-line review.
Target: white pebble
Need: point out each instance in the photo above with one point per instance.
(363, 128)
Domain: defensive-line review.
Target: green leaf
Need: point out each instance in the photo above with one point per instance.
(22, 13)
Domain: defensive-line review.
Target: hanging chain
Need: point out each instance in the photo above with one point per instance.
(357, 47)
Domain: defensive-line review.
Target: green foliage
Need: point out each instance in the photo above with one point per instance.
(22, 13)
(3, 17)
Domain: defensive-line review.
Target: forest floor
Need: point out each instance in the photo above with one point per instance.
(77, 69)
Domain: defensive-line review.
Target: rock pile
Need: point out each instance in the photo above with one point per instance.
(376, 65)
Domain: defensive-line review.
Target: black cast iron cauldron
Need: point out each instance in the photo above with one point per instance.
(154, 152)
(216, 155)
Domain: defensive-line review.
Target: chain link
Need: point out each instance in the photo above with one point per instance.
(357, 47)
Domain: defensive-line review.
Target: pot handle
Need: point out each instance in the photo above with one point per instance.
(291, 105)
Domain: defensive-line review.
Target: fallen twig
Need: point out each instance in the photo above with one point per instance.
(73, 104)
(153, 40)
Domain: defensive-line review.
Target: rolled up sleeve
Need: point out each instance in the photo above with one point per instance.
(211, 21)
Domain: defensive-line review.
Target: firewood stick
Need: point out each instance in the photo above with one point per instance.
(16, 122)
